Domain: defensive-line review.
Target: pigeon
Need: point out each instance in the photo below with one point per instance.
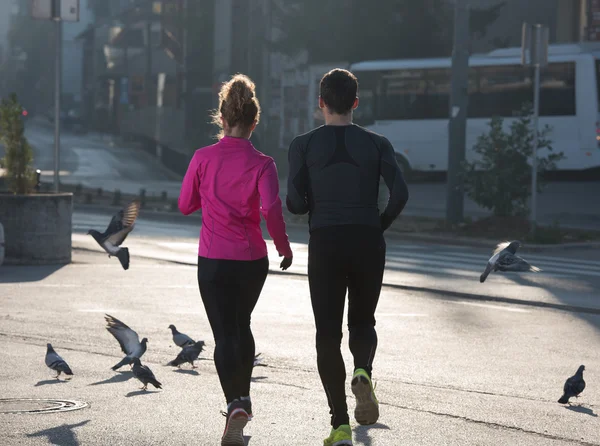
(180, 339)
(120, 226)
(504, 258)
(56, 363)
(258, 361)
(188, 354)
(144, 374)
(573, 386)
(128, 340)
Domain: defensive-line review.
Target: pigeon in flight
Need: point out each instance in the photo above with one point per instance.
(573, 386)
(504, 258)
(180, 339)
(144, 374)
(128, 340)
(56, 363)
(120, 226)
(258, 361)
(188, 354)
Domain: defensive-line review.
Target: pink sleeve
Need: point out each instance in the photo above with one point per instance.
(271, 208)
(189, 197)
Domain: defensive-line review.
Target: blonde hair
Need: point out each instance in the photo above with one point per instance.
(238, 104)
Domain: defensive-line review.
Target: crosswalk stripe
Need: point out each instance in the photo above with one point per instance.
(533, 258)
(546, 266)
(448, 268)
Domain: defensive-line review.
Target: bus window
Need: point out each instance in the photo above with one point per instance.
(501, 91)
(438, 92)
(557, 90)
(403, 96)
(365, 112)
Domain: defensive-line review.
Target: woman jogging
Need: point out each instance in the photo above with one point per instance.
(233, 183)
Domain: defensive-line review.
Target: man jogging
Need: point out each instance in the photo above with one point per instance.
(334, 176)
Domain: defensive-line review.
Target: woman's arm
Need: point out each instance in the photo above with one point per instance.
(189, 197)
(272, 210)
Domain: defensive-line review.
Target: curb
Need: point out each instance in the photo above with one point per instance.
(436, 291)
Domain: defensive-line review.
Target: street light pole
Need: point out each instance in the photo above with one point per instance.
(534, 52)
(457, 125)
(57, 90)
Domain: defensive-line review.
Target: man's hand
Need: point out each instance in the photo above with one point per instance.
(286, 263)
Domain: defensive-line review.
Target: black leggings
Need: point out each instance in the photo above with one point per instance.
(230, 290)
(344, 258)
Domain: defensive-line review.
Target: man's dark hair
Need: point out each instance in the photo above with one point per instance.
(338, 90)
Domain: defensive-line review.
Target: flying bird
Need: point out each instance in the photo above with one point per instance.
(180, 339)
(56, 363)
(144, 374)
(504, 258)
(120, 226)
(258, 361)
(128, 340)
(573, 386)
(188, 354)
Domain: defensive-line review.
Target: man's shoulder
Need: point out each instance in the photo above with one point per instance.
(303, 139)
(377, 137)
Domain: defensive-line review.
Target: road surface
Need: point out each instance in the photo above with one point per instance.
(448, 371)
(566, 278)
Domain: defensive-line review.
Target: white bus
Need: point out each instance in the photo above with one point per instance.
(408, 102)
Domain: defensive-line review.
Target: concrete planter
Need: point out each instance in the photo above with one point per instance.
(37, 228)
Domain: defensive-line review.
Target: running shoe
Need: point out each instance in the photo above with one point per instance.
(237, 418)
(367, 406)
(342, 436)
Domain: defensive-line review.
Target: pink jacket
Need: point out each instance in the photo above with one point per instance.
(233, 183)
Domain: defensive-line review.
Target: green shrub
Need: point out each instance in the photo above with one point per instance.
(501, 179)
(18, 157)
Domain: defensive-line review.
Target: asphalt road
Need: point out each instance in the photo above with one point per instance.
(567, 278)
(448, 371)
(94, 161)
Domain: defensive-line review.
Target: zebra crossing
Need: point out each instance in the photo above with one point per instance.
(458, 261)
(424, 259)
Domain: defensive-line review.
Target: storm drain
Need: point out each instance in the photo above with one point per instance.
(31, 405)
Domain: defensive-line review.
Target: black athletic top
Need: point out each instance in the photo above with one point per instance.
(334, 176)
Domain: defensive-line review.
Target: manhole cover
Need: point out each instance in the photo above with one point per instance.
(31, 405)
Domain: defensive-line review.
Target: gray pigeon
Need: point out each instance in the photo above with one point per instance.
(120, 226)
(504, 258)
(180, 339)
(258, 361)
(144, 374)
(188, 354)
(56, 363)
(573, 386)
(128, 340)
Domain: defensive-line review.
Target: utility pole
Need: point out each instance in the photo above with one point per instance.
(58, 11)
(457, 125)
(266, 67)
(534, 52)
(57, 90)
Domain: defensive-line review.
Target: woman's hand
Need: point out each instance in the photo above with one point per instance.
(286, 263)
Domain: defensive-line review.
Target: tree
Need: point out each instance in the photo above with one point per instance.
(18, 153)
(501, 179)
(355, 30)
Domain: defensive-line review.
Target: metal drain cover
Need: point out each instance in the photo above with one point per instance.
(32, 405)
